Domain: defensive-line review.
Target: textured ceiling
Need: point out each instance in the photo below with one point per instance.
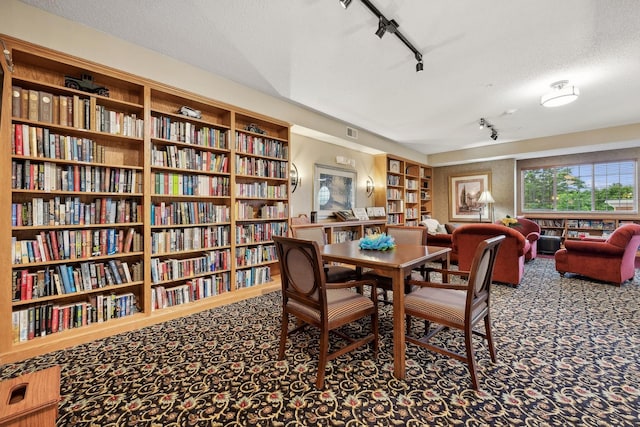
(488, 59)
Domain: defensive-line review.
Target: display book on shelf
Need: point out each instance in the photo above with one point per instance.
(406, 189)
(87, 258)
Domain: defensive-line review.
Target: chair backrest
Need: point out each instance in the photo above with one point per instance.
(408, 235)
(301, 272)
(624, 235)
(313, 232)
(481, 272)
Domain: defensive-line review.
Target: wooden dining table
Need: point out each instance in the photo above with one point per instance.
(397, 263)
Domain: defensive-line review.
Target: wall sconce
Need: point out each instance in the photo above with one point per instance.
(295, 177)
(371, 186)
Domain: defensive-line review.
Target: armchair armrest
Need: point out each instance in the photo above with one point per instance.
(360, 284)
(601, 248)
(533, 236)
(420, 283)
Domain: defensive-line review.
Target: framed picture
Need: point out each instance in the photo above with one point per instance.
(464, 191)
(334, 189)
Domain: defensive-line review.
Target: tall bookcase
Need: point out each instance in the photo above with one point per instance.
(123, 212)
(406, 193)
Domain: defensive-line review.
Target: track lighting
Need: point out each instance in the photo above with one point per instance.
(389, 25)
(484, 123)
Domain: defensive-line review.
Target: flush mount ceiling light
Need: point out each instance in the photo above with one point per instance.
(561, 94)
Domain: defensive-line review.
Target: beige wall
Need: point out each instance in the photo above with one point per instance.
(501, 184)
(306, 152)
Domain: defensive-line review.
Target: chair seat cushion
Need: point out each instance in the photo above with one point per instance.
(338, 273)
(340, 303)
(443, 304)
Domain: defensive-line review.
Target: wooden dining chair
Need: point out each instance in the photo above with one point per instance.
(459, 306)
(327, 306)
(402, 235)
(335, 273)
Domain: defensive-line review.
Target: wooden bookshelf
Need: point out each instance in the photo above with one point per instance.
(406, 194)
(149, 214)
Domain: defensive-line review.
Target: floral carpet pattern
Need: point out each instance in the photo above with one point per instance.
(568, 354)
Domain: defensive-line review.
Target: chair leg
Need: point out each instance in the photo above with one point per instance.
(322, 359)
(376, 333)
(471, 360)
(489, 337)
(284, 329)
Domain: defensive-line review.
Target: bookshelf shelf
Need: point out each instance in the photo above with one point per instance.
(94, 169)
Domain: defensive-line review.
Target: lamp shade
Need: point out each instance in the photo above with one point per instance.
(561, 94)
(486, 197)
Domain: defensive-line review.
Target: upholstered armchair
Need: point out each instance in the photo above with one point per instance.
(509, 267)
(611, 260)
(531, 231)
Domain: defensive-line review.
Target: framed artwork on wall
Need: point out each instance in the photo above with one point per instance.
(334, 189)
(464, 191)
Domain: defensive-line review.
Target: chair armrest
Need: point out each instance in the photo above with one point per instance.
(601, 248)
(533, 236)
(422, 284)
(446, 272)
(352, 284)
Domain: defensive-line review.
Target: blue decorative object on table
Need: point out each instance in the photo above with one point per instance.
(377, 242)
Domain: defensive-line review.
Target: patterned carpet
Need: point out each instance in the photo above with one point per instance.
(568, 354)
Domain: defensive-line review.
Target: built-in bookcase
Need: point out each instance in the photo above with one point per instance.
(406, 193)
(122, 211)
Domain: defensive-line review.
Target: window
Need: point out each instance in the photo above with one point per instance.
(593, 187)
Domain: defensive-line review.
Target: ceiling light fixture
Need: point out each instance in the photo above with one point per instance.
(484, 123)
(389, 25)
(561, 94)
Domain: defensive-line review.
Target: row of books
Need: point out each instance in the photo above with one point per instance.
(176, 184)
(394, 194)
(247, 211)
(411, 197)
(594, 224)
(395, 206)
(72, 211)
(340, 236)
(558, 223)
(412, 184)
(35, 141)
(189, 158)
(412, 213)
(65, 279)
(46, 176)
(252, 276)
(260, 232)
(185, 239)
(394, 180)
(74, 244)
(395, 218)
(261, 190)
(252, 144)
(185, 213)
(255, 255)
(176, 269)
(74, 111)
(45, 319)
(254, 166)
(193, 290)
(189, 133)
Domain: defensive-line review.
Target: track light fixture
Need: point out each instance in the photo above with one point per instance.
(389, 25)
(484, 123)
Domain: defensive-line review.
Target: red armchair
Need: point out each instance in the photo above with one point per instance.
(611, 260)
(509, 266)
(531, 231)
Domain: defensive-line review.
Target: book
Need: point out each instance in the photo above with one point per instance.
(16, 101)
(34, 105)
(45, 106)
